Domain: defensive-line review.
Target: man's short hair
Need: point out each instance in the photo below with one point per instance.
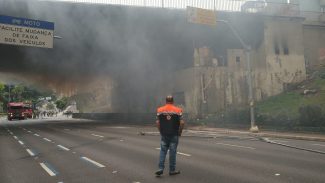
(169, 99)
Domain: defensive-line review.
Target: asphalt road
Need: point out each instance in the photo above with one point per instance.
(56, 151)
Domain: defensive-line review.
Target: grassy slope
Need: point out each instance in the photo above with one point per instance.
(288, 103)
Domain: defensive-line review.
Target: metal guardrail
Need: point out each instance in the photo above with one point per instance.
(220, 5)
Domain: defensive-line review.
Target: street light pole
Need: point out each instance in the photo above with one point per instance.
(9, 93)
(247, 49)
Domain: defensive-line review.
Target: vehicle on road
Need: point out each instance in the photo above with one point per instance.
(19, 110)
(28, 110)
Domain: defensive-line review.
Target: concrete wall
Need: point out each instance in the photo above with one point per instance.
(210, 87)
(284, 51)
(314, 45)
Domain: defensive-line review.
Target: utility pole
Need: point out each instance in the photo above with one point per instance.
(9, 93)
(208, 17)
(247, 49)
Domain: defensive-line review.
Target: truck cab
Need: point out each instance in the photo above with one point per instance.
(16, 111)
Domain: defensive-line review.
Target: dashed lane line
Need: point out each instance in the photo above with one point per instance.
(97, 135)
(30, 152)
(47, 139)
(246, 147)
(64, 148)
(50, 171)
(36, 134)
(180, 153)
(20, 142)
(92, 162)
(29, 131)
(15, 137)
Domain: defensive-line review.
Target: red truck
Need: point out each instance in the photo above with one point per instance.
(19, 110)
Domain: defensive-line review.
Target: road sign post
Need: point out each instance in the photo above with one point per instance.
(26, 32)
(201, 16)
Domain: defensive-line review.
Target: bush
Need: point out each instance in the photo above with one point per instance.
(310, 115)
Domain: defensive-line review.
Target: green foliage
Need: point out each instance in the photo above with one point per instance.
(17, 92)
(62, 103)
(50, 106)
(311, 115)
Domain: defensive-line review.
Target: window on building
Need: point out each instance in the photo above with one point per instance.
(222, 61)
(285, 47)
(237, 59)
(286, 50)
(276, 49)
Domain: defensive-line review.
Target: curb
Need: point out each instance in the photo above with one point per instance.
(261, 134)
(311, 138)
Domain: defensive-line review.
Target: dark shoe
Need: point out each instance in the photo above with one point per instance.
(159, 172)
(174, 172)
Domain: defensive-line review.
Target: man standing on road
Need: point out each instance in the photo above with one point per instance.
(170, 125)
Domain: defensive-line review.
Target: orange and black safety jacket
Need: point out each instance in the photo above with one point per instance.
(169, 117)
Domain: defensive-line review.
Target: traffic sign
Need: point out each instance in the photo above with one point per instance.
(26, 32)
(201, 16)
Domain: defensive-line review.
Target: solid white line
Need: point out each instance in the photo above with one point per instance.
(93, 162)
(97, 135)
(47, 139)
(319, 145)
(30, 152)
(184, 154)
(20, 142)
(36, 134)
(48, 170)
(15, 137)
(236, 146)
(64, 148)
(180, 153)
(280, 140)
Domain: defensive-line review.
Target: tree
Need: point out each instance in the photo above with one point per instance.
(62, 103)
(18, 91)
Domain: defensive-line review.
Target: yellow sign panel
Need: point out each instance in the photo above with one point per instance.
(201, 16)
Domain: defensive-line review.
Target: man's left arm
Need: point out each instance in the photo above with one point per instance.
(181, 126)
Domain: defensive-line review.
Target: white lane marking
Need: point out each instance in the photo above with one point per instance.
(277, 174)
(280, 140)
(119, 127)
(319, 145)
(236, 146)
(20, 142)
(48, 170)
(114, 172)
(11, 133)
(24, 129)
(184, 154)
(15, 137)
(97, 135)
(30, 152)
(36, 134)
(93, 162)
(64, 148)
(30, 132)
(47, 139)
(180, 153)
(121, 140)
